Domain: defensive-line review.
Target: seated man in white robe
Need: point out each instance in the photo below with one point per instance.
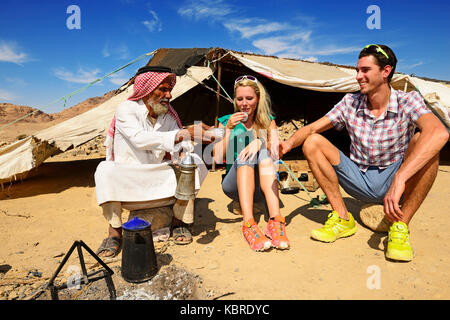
(137, 174)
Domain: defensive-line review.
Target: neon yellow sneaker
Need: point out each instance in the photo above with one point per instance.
(398, 246)
(335, 228)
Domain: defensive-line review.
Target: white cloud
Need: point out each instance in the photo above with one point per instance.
(118, 52)
(409, 66)
(81, 76)
(154, 24)
(287, 39)
(123, 52)
(200, 9)
(273, 45)
(105, 51)
(299, 46)
(119, 78)
(328, 51)
(7, 95)
(9, 53)
(16, 81)
(248, 30)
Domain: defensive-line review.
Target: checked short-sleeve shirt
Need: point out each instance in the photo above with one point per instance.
(378, 141)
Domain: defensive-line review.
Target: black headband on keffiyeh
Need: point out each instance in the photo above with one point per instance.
(153, 69)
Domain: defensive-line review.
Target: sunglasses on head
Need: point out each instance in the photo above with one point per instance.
(377, 49)
(250, 78)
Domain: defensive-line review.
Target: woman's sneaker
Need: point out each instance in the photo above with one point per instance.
(276, 231)
(254, 236)
(398, 246)
(335, 228)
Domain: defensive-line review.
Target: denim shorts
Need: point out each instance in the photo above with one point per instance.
(370, 186)
(229, 182)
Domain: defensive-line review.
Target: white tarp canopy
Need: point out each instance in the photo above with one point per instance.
(329, 78)
(29, 153)
(22, 156)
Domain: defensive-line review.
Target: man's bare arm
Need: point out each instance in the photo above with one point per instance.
(301, 134)
(433, 137)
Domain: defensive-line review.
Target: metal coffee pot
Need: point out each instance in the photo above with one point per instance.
(186, 181)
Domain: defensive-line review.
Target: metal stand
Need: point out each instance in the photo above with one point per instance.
(85, 278)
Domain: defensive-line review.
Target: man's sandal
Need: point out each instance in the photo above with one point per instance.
(181, 235)
(112, 244)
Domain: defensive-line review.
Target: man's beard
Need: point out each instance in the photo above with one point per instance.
(158, 108)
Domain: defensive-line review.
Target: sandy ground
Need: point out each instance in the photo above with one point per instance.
(42, 216)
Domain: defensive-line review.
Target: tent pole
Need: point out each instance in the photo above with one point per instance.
(219, 77)
(406, 85)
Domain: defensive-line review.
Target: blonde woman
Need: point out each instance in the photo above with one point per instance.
(249, 136)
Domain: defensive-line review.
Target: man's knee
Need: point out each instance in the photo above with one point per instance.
(312, 143)
(316, 144)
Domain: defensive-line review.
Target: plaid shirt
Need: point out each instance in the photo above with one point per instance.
(383, 141)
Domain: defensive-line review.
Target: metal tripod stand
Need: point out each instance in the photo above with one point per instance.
(85, 277)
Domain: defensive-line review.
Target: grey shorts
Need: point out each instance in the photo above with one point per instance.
(370, 186)
(229, 182)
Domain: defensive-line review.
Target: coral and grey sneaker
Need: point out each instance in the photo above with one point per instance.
(335, 228)
(276, 231)
(398, 246)
(254, 236)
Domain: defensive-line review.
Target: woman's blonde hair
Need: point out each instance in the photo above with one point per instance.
(263, 114)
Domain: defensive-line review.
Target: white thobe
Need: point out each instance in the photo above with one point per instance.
(138, 172)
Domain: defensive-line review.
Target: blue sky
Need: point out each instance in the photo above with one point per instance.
(42, 60)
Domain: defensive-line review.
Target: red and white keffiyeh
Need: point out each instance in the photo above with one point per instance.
(144, 84)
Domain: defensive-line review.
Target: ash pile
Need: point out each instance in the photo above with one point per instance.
(170, 283)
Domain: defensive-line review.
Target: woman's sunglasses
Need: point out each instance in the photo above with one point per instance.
(250, 78)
